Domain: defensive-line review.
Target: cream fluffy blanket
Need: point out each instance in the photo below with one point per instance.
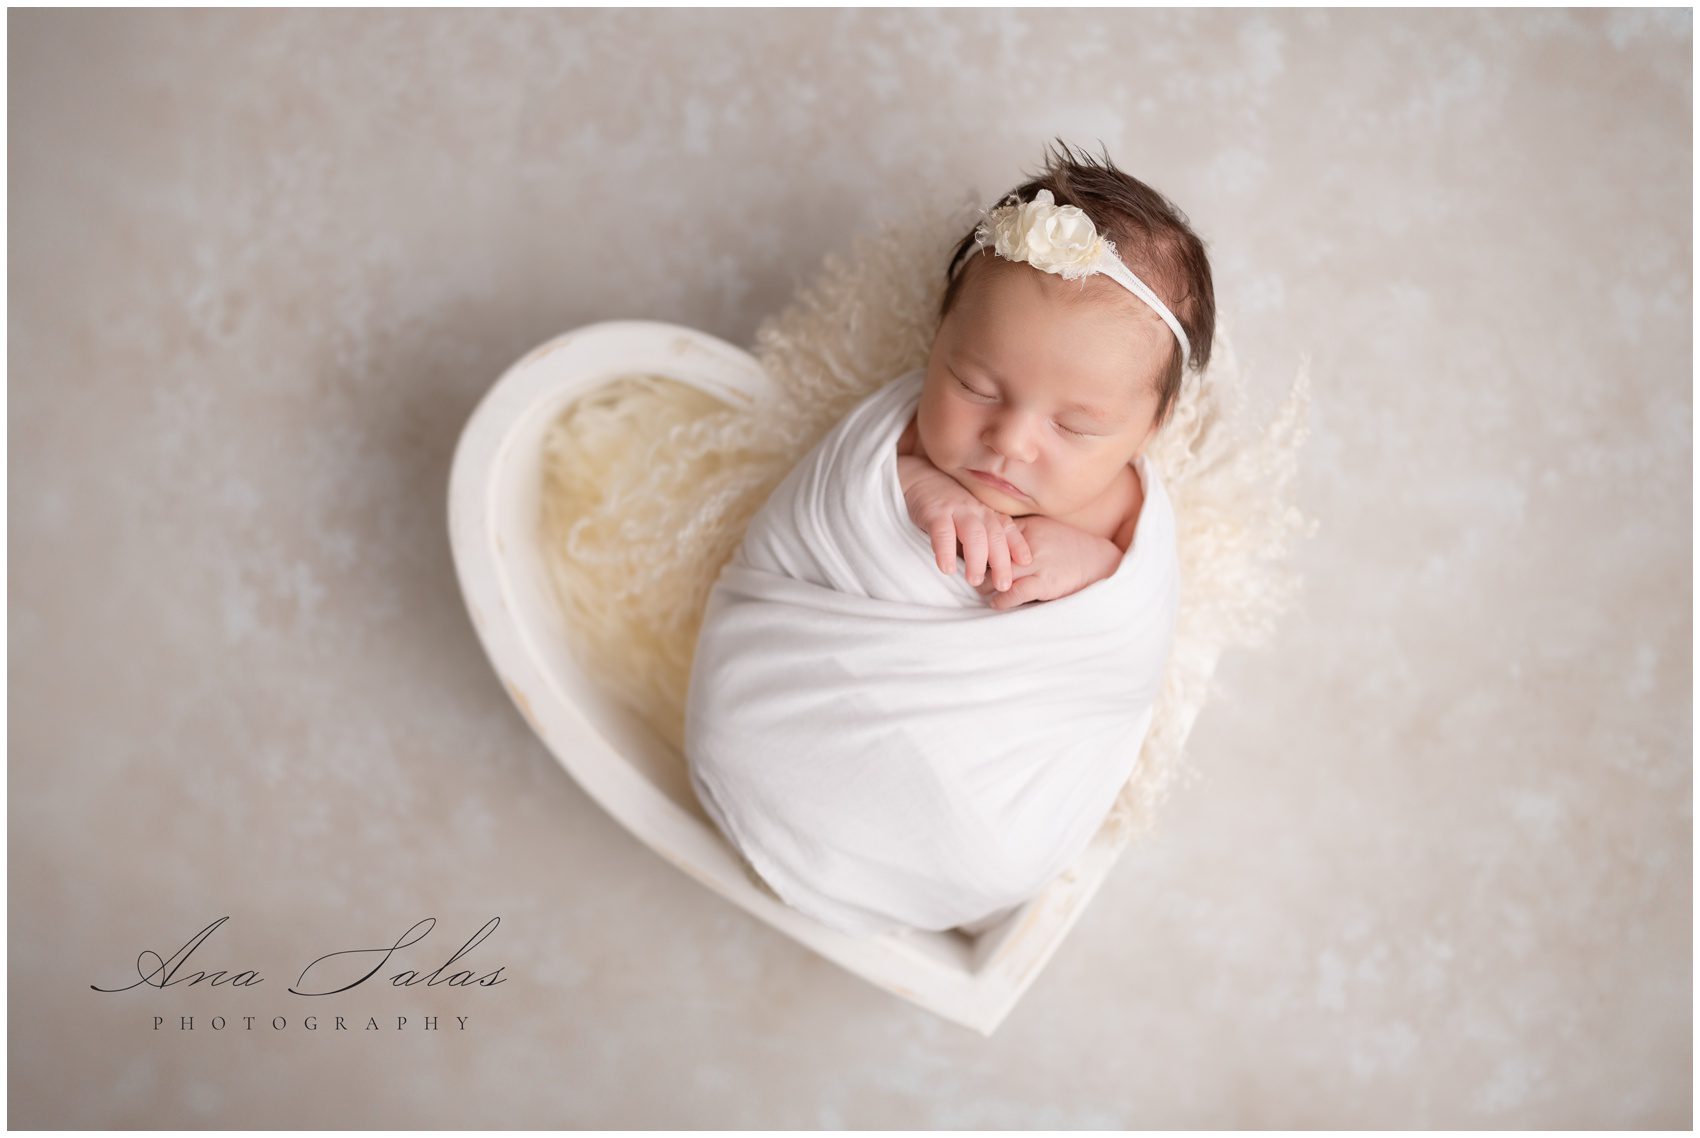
(649, 486)
(884, 748)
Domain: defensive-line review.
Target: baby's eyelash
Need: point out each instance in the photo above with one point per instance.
(968, 389)
(1070, 430)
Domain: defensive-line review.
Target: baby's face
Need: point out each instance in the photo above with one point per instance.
(1008, 368)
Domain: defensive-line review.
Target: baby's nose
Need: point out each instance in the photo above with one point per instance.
(1011, 438)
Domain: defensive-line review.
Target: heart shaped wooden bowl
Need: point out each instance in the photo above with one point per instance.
(619, 760)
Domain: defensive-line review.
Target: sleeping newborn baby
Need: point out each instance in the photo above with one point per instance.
(1038, 398)
(927, 672)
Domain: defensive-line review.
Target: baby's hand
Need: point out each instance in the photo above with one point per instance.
(944, 508)
(1065, 560)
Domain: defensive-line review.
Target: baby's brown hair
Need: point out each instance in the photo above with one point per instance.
(1151, 235)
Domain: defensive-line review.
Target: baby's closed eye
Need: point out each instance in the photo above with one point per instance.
(1059, 425)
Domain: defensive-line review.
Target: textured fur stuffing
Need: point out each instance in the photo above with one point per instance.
(649, 485)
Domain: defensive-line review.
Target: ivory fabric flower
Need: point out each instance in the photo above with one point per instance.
(1056, 239)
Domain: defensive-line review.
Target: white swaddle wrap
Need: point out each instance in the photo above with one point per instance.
(884, 748)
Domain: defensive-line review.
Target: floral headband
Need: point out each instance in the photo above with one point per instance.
(1063, 240)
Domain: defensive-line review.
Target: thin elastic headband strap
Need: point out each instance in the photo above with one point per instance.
(1116, 269)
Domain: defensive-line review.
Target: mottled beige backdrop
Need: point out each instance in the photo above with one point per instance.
(1437, 869)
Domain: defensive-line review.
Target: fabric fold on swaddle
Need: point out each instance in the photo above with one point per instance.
(883, 748)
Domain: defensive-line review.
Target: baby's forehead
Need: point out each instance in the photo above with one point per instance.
(1095, 314)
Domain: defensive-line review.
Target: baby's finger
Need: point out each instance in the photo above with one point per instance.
(1019, 550)
(1024, 590)
(974, 550)
(988, 587)
(998, 555)
(943, 535)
